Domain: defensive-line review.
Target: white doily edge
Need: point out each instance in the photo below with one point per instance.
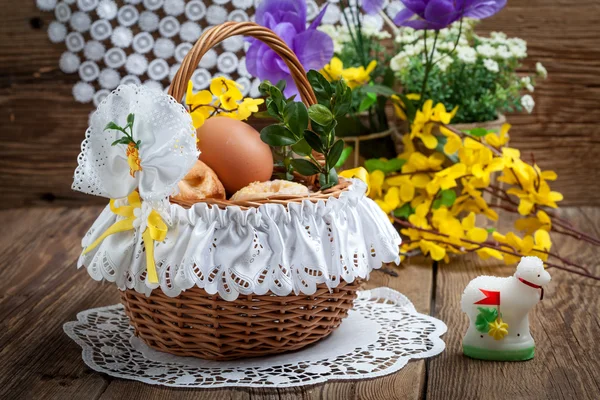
(439, 346)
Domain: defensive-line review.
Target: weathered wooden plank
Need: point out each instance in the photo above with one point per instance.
(41, 126)
(565, 326)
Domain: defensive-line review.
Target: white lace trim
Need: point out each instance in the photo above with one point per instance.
(269, 248)
(380, 335)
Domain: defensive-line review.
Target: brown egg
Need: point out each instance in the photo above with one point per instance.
(234, 150)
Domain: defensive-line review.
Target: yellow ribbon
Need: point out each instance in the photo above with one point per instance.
(359, 173)
(156, 230)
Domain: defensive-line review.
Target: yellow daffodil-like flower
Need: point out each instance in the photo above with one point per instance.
(529, 225)
(446, 178)
(426, 119)
(390, 201)
(354, 76)
(224, 98)
(453, 141)
(133, 159)
(500, 140)
(399, 105)
(537, 245)
(498, 329)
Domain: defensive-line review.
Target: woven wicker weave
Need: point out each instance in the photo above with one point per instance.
(198, 324)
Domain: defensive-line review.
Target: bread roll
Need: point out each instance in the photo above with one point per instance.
(262, 190)
(199, 184)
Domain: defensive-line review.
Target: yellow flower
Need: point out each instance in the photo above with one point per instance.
(498, 329)
(473, 232)
(499, 140)
(422, 126)
(133, 159)
(531, 224)
(439, 114)
(399, 105)
(435, 251)
(333, 70)
(247, 107)
(200, 98)
(446, 178)
(390, 201)
(354, 76)
(453, 141)
(409, 147)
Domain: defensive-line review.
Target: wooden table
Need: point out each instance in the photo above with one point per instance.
(41, 289)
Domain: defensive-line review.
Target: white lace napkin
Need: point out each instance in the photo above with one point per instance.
(379, 336)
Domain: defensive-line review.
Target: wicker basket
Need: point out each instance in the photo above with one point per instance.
(198, 324)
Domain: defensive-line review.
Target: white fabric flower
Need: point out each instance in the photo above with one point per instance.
(57, 32)
(75, 42)
(216, 15)
(174, 7)
(491, 65)
(181, 51)
(164, 48)
(158, 69)
(148, 21)
(190, 31)
(167, 146)
(143, 42)
(83, 92)
(69, 62)
(101, 30)
(88, 71)
(46, 5)
(80, 21)
(94, 50)
(107, 9)
(238, 16)
(242, 4)
(169, 27)
(128, 15)
(62, 12)
(121, 36)
(109, 78)
(526, 82)
(195, 10)
(87, 5)
(115, 57)
(153, 4)
(130, 80)
(541, 70)
(100, 95)
(136, 64)
(528, 103)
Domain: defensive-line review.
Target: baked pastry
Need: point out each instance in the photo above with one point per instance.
(199, 184)
(262, 190)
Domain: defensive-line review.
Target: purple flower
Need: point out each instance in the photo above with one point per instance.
(372, 6)
(287, 18)
(438, 14)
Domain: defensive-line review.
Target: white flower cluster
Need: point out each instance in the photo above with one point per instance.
(341, 35)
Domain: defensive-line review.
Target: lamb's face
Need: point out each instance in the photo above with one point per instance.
(532, 270)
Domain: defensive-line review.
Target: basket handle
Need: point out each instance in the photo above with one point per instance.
(217, 34)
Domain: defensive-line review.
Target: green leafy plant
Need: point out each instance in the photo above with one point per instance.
(128, 138)
(301, 132)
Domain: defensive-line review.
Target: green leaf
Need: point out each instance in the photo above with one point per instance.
(281, 85)
(314, 141)
(124, 140)
(304, 167)
(321, 86)
(478, 132)
(448, 197)
(295, 116)
(329, 180)
(485, 316)
(345, 154)
(491, 230)
(386, 166)
(335, 152)
(302, 148)
(112, 125)
(404, 212)
(130, 119)
(320, 114)
(437, 203)
(277, 135)
(367, 102)
(342, 98)
(379, 89)
(409, 107)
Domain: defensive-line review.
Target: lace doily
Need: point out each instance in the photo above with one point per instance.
(268, 248)
(379, 336)
(102, 47)
(167, 146)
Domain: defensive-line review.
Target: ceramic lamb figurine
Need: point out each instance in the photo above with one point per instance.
(497, 309)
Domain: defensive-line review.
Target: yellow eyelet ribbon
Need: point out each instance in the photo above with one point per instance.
(156, 230)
